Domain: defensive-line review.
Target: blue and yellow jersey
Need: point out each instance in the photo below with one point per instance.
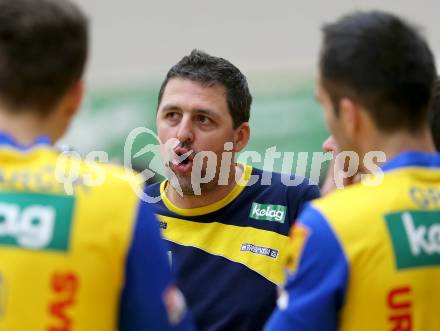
(368, 257)
(92, 259)
(229, 256)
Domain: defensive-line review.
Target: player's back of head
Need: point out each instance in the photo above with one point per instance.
(435, 114)
(383, 63)
(43, 51)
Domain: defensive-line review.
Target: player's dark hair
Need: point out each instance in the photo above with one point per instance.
(43, 51)
(209, 70)
(381, 62)
(435, 114)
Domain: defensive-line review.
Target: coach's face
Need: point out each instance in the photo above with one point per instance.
(194, 118)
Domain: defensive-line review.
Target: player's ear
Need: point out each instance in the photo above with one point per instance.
(241, 136)
(349, 112)
(74, 98)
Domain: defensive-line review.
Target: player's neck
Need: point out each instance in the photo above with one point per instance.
(206, 198)
(24, 128)
(396, 143)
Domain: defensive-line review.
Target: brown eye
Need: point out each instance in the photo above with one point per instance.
(202, 119)
(171, 115)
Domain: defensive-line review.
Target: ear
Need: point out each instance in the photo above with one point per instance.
(74, 98)
(241, 136)
(350, 115)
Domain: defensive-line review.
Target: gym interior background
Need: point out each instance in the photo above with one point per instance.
(275, 44)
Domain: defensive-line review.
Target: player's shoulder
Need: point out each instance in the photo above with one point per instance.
(360, 198)
(341, 205)
(351, 213)
(119, 175)
(339, 198)
(102, 177)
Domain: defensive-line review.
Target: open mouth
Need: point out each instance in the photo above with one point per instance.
(185, 161)
(182, 160)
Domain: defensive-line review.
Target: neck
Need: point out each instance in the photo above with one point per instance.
(399, 142)
(24, 127)
(206, 198)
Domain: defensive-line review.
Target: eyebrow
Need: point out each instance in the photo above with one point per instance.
(207, 112)
(169, 108)
(204, 111)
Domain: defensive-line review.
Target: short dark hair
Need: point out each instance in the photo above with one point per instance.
(209, 70)
(43, 50)
(383, 63)
(435, 114)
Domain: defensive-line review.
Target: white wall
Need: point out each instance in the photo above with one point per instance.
(138, 40)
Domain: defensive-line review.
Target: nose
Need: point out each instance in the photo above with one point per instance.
(329, 145)
(185, 133)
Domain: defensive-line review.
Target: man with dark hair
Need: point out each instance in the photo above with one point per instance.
(74, 256)
(227, 223)
(329, 145)
(368, 257)
(435, 114)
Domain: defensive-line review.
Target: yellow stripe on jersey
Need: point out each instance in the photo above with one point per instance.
(239, 187)
(233, 243)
